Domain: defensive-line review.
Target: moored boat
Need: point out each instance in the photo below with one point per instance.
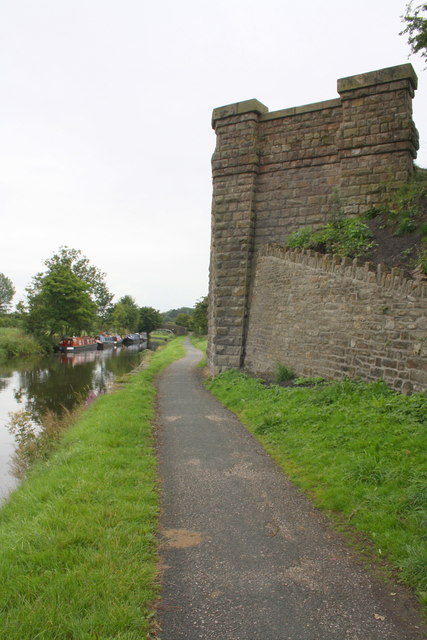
(105, 341)
(132, 338)
(77, 343)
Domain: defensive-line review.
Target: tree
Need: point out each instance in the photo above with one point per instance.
(81, 267)
(149, 319)
(416, 28)
(169, 316)
(199, 318)
(67, 296)
(7, 291)
(62, 303)
(183, 320)
(125, 315)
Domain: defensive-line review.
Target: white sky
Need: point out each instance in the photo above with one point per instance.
(105, 136)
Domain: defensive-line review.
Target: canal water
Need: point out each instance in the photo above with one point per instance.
(50, 384)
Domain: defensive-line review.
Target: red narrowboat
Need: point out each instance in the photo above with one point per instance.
(74, 344)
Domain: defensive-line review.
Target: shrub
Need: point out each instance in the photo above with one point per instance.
(300, 238)
(345, 237)
(283, 373)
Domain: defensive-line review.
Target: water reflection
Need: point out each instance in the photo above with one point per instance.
(55, 383)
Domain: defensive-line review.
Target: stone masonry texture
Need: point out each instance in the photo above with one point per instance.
(335, 318)
(276, 172)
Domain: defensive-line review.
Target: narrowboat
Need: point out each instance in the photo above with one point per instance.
(132, 338)
(77, 343)
(105, 341)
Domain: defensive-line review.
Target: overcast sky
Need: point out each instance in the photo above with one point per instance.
(105, 109)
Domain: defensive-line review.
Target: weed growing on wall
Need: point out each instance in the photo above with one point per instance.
(349, 237)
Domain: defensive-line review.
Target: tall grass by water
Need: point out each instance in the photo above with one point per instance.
(14, 344)
(77, 539)
(358, 449)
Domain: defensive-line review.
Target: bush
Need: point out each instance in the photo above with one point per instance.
(283, 373)
(300, 238)
(345, 237)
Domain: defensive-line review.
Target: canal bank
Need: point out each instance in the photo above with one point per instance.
(86, 522)
(52, 384)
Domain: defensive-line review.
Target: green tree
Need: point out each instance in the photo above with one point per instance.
(149, 319)
(125, 315)
(183, 320)
(61, 304)
(199, 318)
(169, 316)
(416, 28)
(7, 291)
(81, 267)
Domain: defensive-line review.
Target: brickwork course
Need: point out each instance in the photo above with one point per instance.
(276, 172)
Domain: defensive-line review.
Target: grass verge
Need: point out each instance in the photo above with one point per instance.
(77, 539)
(14, 344)
(359, 450)
(200, 342)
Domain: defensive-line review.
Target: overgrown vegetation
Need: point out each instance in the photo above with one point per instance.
(406, 216)
(283, 373)
(395, 234)
(78, 537)
(14, 344)
(345, 237)
(357, 448)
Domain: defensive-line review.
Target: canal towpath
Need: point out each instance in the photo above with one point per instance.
(245, 556)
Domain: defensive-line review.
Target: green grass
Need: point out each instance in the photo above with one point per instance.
(200, 342)
(358, 449)
(77, 539)
(161, 335)
(14, 344)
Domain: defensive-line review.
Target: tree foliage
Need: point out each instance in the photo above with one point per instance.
(416, 28)
(183, 320)
(68, 296)
(81, 267)
(170, 316)
(149, 319)
(61, 304)
(7, 291)
(125, 315)
(199, 318)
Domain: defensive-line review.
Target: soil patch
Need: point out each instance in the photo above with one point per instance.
(393, 249)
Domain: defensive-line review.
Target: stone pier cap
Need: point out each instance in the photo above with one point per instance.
(351, 83)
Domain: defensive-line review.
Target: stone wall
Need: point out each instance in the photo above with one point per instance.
(332, 317)
(274, 172)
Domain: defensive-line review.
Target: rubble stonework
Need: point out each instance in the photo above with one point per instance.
(336, 317)
(275, 172)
